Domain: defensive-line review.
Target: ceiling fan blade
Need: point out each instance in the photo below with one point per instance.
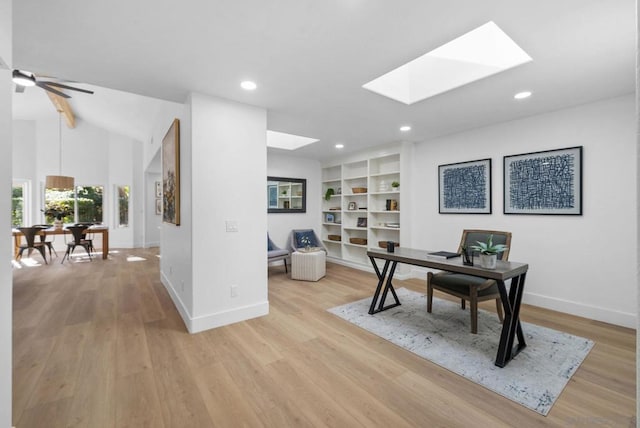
(60, 85)
(20, 89)
(53, 91)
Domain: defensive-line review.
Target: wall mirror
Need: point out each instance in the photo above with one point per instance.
(286, 195)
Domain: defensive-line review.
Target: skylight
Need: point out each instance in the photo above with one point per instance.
(480, 53)
(280, 140)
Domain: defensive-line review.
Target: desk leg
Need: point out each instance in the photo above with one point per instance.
(511, 326)
(388, 286)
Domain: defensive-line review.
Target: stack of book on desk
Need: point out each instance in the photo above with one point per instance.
(442, 255)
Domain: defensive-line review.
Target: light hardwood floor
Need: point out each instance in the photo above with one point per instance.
(100, 344)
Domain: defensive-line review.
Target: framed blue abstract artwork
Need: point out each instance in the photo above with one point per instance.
(465, 188)
(548, 182)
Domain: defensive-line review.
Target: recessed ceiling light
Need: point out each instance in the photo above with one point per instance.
(280, 140)
(339, 146)
(405, 128)
(480, 53)
(248, 85)
(522, 95)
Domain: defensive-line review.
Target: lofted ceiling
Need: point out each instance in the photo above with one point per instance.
(311, 58)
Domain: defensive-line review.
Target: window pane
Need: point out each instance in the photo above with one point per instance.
(89, 203)
(123, 206)
(17, 206)
(58, 204)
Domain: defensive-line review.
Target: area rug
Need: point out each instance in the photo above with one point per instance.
(534, 378)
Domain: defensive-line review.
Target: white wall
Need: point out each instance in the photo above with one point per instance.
(6, 87)
(222, 179)
(280, 224)
(124, 169)
(584, 265)
(229, 167)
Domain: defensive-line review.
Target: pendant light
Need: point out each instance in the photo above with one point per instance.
(59, 181)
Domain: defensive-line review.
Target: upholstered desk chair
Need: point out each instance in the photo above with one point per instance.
(78, 233)
(274, 253)
(298, 237)
(468, 287)
(31, 244)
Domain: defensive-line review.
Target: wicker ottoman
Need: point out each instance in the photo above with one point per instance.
(308, 266)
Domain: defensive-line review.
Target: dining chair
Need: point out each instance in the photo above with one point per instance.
(467, 287)
(31, 243)
(43, 239)
(78, 232)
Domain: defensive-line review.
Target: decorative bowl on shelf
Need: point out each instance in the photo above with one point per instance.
(359, 189)
(358, 241)
(334, 238)
(383, 244)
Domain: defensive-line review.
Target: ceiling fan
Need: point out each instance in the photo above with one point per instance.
(22, 79)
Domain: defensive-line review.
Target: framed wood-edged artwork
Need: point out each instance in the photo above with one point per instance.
(171, 174)
(465, 187)
(547, 182)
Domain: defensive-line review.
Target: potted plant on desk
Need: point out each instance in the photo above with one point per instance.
(488, 252)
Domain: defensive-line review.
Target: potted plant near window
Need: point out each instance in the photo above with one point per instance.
(488, 252)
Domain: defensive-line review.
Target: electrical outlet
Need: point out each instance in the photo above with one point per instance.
(234, 291)
(232, 225)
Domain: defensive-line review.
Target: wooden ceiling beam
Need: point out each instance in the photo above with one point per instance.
(63, 107)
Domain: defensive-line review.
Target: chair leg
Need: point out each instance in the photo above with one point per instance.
(67, 254)
(43, 251)
(429, 292)
(285, 266)
(463, 304)
(499, 310)
(473, 303)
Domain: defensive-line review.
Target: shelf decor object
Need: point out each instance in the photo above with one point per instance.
(547, 182)
(465, 187)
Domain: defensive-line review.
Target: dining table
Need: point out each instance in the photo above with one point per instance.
(95, 229)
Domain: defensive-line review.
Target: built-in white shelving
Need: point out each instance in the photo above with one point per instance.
(353, 213)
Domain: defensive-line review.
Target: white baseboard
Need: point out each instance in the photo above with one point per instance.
(580, 309)
(565, 306)
(218, 319)
(182, 310)
(227, 317)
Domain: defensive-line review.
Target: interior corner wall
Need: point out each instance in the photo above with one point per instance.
(175, 240)
(6, 288)
(280, 224)
(583, 265)
(229, 211)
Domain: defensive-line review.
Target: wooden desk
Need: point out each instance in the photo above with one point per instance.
(504, 270)
(104, 231)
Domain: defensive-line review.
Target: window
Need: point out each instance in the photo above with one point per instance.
(122, 209)
(19, 203)
(89, 201)
(86, 201)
